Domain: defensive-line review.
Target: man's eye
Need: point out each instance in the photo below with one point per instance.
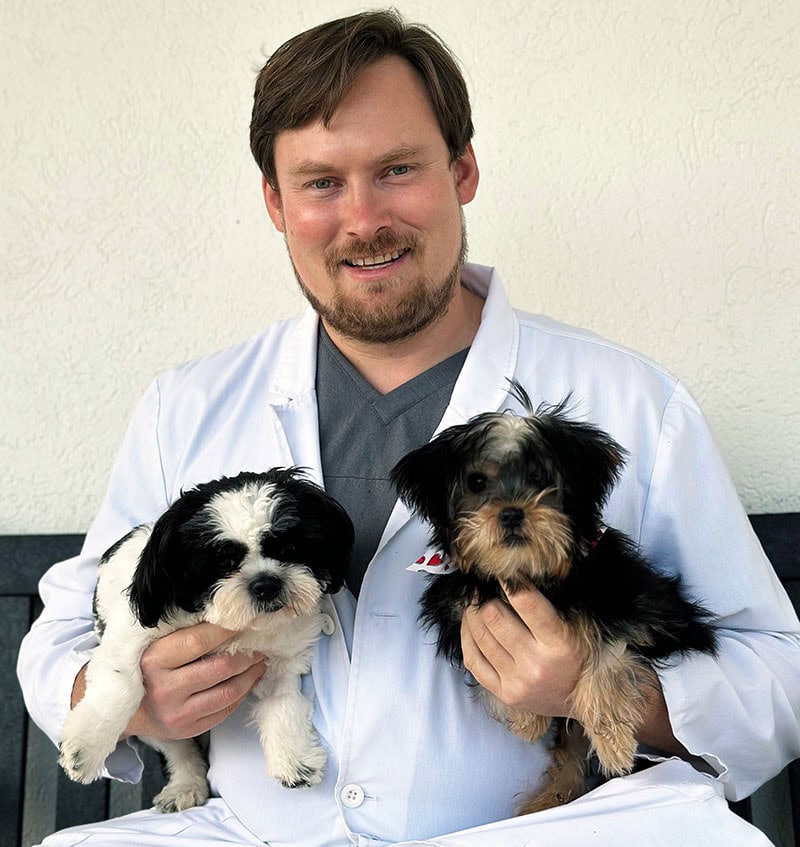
(322, 184)
(476, 482)
(400, 170)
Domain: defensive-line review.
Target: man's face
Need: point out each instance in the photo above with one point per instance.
(370, 207)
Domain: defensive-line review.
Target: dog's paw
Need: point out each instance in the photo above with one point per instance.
(527, 725)
(615, 748)
(80, 761)
(302, 777)
(301, 771)
(175, 797)
(88, 738)
(542, 802)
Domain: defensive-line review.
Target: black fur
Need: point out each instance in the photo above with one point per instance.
(183, 559)
(611, 583)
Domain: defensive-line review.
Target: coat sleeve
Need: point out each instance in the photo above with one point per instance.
(740, 710)
(61, 640)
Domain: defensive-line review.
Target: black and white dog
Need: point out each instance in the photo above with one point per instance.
(252, 553)
(515, 501)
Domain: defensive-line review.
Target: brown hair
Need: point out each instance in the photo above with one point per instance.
(307, 77)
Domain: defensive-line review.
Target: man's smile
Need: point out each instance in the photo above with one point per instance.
(379, 261)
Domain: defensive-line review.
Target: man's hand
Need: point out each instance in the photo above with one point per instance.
(527, 657)
(189, 690)
(524, 654)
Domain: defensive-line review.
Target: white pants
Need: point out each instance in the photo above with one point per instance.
(669, 805)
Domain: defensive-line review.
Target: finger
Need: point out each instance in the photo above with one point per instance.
(210, 671)
(208, 722)
(537, 613)
(228, 693)
(496, 634)
(500, 633)
(186, 645)
(474, 660)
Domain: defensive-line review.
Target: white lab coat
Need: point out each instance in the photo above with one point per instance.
(412, 757)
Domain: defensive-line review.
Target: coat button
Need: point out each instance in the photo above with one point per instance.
(352, 795)
(328, 625)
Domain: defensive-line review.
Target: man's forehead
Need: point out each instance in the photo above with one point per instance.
(386, 113)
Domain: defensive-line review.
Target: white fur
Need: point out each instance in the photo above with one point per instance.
(114, 687)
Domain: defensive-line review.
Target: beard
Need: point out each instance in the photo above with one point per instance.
(425, 302)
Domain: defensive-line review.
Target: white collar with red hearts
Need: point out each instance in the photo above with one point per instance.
(433, 561)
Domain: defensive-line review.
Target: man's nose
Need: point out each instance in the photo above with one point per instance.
(367, 211)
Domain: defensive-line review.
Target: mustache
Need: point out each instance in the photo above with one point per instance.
(356, 248)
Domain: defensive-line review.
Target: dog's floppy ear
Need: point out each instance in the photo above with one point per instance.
(315, 523)
(337, 536)
(158, 579)
(424, 480)
(591, 462)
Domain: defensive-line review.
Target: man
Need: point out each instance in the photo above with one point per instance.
(362, 129)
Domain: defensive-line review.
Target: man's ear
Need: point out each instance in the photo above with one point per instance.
(465, 170)
(272, 200)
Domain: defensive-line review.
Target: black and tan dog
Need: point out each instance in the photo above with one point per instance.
(517, 499)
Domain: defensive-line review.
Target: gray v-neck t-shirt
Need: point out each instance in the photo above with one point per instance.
(364, 433)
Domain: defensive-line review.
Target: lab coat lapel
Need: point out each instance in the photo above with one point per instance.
(293, 398)
(482, 385)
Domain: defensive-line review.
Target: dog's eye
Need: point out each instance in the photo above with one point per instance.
(476, 482)
(535, 477)
(230, 555)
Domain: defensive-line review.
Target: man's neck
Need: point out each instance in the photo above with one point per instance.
(387, 366)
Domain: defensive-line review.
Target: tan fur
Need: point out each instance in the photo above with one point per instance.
(609, 702)
(527, 725)
(545, 553)
(565, 779)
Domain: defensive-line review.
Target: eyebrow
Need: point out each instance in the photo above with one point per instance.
(309, 167)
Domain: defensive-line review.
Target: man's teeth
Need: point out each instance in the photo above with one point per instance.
(374, 261)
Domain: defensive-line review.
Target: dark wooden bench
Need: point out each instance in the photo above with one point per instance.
(36, 798)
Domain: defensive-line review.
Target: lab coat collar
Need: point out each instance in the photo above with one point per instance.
(292, 396)
(295, 375)
(482, 385)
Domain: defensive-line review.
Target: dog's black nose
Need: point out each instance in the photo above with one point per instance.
(265, 587)
(511, 517)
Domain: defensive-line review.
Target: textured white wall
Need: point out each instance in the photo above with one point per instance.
(640, 170)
